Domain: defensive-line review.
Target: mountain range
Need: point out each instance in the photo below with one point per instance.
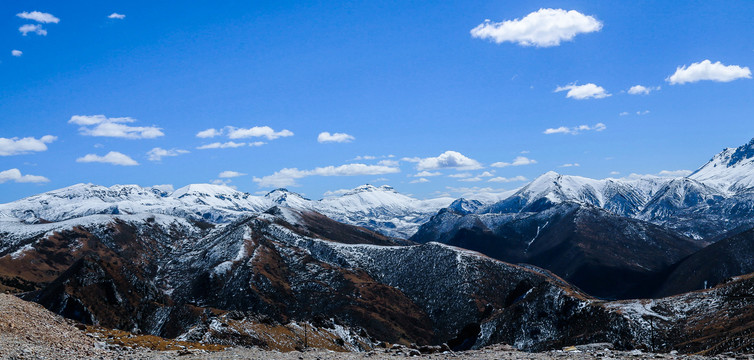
(561, 261)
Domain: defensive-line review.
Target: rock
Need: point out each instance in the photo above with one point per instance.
(595, 347)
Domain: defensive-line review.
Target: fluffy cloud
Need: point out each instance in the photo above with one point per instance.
(326, 137)
(501, 179)
(448, 159)
(706, 70)
(338, 192)
(230, 174)
(257, 131)
(116, 16)
(387, 162)
(209, 133)
(112, 157)
(16, 53)
(674, 173)
(460, 176)
(16, 146)
(575, 130)
(15, 176)
(427, 174)
(663, 173)
(542, 28)
(30, 28)
(419, 181)
(642, 90)
(37, 16)
(288, 176)
(157, 153)
(582, 92)
(219, 145)
(518, 161)
(241, 133)
(100, 125)
(570, 165)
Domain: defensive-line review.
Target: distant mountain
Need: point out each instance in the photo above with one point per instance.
(624, 197)
(379, 208)
(604, 254)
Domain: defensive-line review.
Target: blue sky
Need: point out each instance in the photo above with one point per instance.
(399, 82)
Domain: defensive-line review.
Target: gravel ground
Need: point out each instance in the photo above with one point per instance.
(28, 331)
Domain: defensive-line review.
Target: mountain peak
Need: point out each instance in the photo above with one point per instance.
(369, 188)
(205, 190)
(285, 196)
(731, 170)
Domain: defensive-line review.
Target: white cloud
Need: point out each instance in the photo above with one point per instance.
(575, 130)
(645, 112)
(39, 17)
(100, 125)
(326, 137)
(338, 192)
(518, 161)
(31, 28)
(471, 179)
(112, 157)
(209, 133)
(218, 145)
(427, 174)
(288, 176)
(116, 16)
(663, 173)
(365, 157)
(256, 143)
(388, 162)
(479, 192)
(257, 131)
(501, 179)
(414, 159)
(570, 165)
(706, 70)
(157, 153)
(623, 113)
(487, 174)
(582, 92)
(16, 146)
(448, 159)
(642, 90)
(230, 174)
(460, 176)
(16, 53)
(542, 28)
(615, 173)
(15, 176)
(419, 181)
(674, 173)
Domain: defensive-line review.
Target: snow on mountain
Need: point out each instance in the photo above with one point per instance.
(378, 208)
(621, 196)
(732, 170)
(678, 194)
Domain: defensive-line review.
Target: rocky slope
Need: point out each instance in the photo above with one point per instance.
(604, 254)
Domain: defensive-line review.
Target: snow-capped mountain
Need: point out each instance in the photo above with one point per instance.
(730, 171)
(622, 196)
(378, 208)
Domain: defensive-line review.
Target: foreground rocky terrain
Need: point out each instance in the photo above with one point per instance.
(28, 331)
